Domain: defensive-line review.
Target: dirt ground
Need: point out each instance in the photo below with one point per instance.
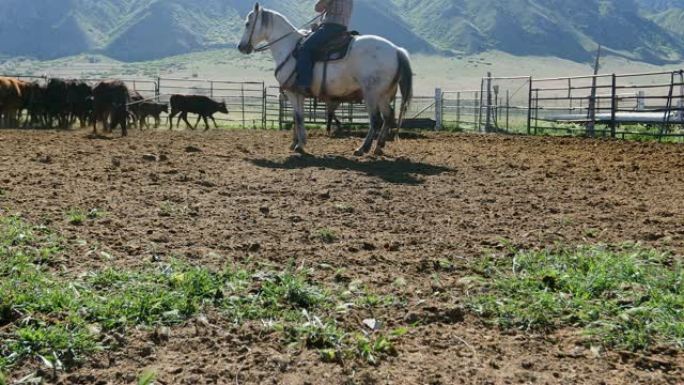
(212, 198)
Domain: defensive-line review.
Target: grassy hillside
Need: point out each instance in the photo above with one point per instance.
(672, 19)
(138, 30)
(431, 71)
(566, 29)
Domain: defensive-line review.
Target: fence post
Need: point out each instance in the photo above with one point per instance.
(281, 102)
(438, 109)
(480, 105)
(157, 88)
(488, 124)
(529, 108)
(211, 88)
(458, 110)
(536, 112)
(668, 108)
(242, 97)
(613, 106)
(476, 110)
(264, 106)
(508, 110)
(570, 95)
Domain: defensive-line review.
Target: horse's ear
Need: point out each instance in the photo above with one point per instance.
(257, 8)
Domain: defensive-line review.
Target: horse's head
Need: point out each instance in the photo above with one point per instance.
(256, 30)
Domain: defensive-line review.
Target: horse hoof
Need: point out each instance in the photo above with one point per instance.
(300, 150)
(359, 152)
(293, 146)
(378, 151)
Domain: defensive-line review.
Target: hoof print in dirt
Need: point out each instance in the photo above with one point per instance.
(433, 315)
(325, 195)
(150, 158)
(192, 149)
(44, 159)
(206, 183)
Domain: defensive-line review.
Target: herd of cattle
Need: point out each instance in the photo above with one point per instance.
(62, 103)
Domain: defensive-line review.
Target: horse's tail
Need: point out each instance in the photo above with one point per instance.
(405, 75)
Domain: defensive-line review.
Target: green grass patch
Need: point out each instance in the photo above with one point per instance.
(628, 298)
(62, 319)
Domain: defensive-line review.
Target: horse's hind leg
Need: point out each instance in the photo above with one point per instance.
(387, 122)
(331, 107)
(372, 116)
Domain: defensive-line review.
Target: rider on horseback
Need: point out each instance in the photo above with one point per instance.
(336, 17)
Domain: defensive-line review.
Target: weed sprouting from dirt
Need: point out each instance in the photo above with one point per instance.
(62, 319)
(147, 377)
(76, 217)
(629, 298)
(344, 208)
(94, 214)
(326, 235)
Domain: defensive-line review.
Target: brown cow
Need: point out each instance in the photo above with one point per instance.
(11, 101)
(111, 101)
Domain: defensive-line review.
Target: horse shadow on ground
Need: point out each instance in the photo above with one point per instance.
(395, 171)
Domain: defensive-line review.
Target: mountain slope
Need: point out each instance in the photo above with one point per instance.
(135, 30)
(566, 29)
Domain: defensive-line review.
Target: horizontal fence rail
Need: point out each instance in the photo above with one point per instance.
(615, 105)
(631, 105)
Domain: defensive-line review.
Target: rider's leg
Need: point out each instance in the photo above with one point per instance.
(305, 61)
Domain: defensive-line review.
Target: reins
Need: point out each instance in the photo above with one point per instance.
(278, 40)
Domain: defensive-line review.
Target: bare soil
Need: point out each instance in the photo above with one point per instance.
(241, 196)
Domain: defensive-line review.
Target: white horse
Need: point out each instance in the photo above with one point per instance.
(373, 69)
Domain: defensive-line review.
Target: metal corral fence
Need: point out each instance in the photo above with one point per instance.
(253, 104)
(617, 105)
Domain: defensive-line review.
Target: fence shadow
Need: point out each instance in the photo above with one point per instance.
(396, 171)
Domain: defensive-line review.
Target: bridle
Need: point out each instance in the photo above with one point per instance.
(268, 46)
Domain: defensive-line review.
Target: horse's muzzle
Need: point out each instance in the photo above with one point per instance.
(245, 48)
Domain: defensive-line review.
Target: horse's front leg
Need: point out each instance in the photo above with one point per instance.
(299, 131)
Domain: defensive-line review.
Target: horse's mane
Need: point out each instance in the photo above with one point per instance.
(269, 14)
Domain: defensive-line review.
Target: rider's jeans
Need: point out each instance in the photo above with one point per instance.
(312, 43)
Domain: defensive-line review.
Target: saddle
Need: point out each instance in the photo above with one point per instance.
(335, 49)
